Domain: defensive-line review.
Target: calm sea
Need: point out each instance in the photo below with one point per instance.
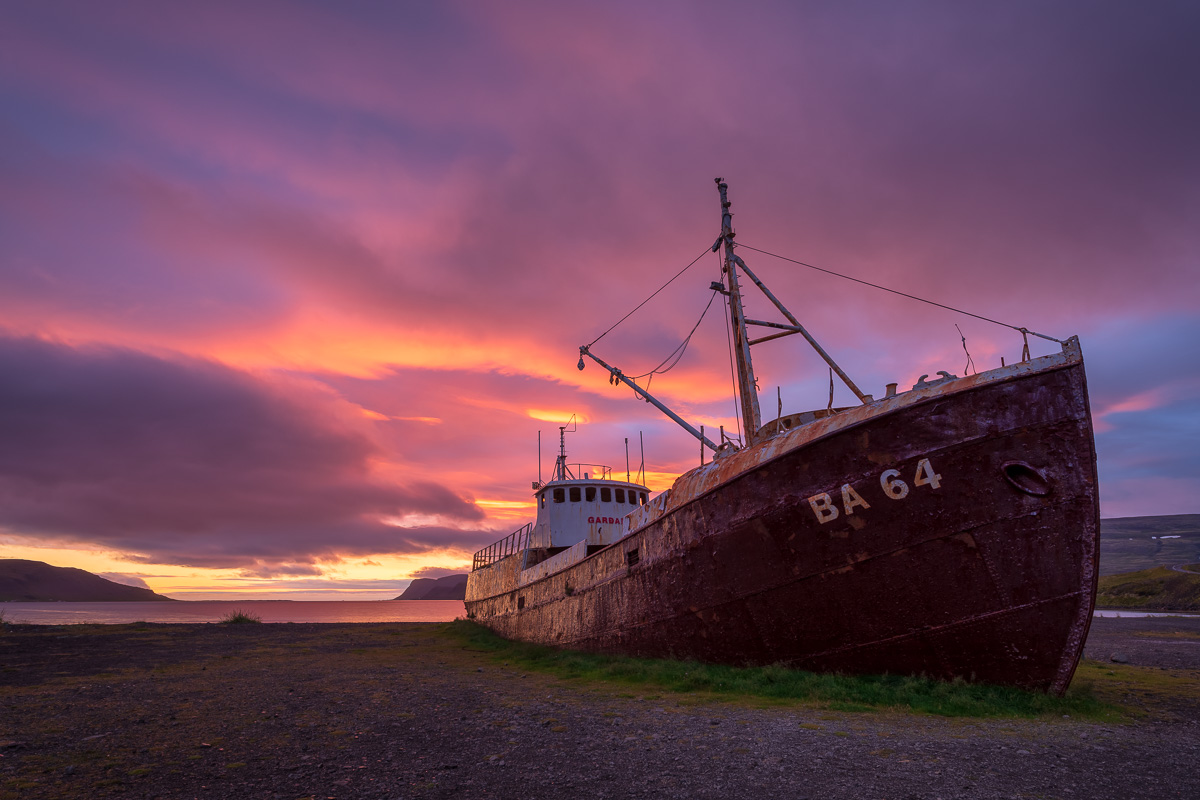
(281, 611)
(217, 610)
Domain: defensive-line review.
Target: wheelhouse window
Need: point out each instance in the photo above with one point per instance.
(605, 494)
(575, 497)
(589, 494)
(642, 495)
(632, 497)
(560, 496)
(620, 495)
(543, 499)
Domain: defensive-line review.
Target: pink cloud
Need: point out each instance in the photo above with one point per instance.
(1147, 400)
(426, 210)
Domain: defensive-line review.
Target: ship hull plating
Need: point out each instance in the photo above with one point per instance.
(950, 532)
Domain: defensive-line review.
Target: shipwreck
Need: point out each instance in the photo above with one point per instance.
(950, 530)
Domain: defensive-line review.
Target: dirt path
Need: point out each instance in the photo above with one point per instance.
(403, 711)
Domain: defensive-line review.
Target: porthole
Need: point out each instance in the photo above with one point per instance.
(1026, 479)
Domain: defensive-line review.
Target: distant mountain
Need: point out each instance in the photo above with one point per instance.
(451, 587)
(36, 581)
(1130, 544)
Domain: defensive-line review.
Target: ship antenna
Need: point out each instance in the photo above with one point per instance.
(561, 473)
(560, 467)
(747, 384)
(642, 466)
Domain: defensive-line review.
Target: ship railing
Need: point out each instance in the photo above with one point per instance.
(512, 544)
(597, 472)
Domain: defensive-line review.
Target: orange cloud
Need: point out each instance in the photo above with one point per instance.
(557, 417)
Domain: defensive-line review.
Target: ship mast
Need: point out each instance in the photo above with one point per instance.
(747, 385)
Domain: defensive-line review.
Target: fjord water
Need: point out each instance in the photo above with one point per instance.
(283, 611)
(217, 610)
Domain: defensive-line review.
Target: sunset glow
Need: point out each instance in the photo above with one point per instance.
(288, 291)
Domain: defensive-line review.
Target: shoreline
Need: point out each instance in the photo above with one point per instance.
(415, 611)
(269, 611)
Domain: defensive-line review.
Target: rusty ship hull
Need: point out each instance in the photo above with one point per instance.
(949, 531)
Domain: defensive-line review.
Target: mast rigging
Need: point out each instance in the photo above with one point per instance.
(747, 385)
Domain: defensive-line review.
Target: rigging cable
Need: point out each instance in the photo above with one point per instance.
(969, 369)
(678, 352)
(648, 299)
(1022, 331)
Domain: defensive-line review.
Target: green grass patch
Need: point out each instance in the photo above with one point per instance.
(1141, 689)
(240, 617)
(1158, 588)
(777, 684)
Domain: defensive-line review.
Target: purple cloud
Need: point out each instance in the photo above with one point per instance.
(194, 463)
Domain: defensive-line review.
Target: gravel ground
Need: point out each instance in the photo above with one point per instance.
(1170, 642)
(404, 711)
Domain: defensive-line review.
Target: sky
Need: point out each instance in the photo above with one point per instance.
(289, 289)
